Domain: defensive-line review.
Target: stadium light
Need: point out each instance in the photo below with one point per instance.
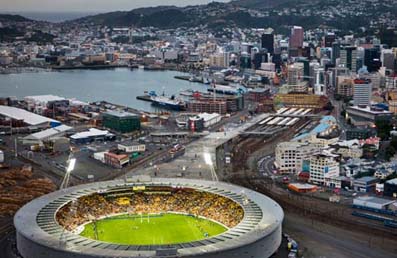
(207, 159)
(71, 165)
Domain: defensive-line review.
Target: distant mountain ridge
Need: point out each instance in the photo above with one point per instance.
(13, 18)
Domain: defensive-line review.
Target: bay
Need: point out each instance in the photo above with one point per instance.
(119, 86)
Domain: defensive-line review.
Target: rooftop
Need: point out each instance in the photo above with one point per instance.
(21, 114)
(366, 179)
(44, 98)
(368, 109)
(92, 132)
(375, 200)
(120, 114)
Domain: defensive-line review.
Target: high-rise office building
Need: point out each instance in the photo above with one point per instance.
(348, 57)
(335, 52)
(259, 58)
(296, 39)
(329, 39)
(295, 82)
(372, 59)
(267, 42)
(362, 92)
(387, 58)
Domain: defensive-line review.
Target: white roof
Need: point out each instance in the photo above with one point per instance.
(44, 98)
(49, 132)
(21, 114)
(92, 132)
(207, 116)
(376, 200)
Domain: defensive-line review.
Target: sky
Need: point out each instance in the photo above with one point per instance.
(88, 6)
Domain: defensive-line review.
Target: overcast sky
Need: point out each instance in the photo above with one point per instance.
(88, 5)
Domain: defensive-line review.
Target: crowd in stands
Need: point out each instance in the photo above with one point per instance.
(197, 203)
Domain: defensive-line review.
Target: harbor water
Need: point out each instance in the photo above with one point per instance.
(119, 86)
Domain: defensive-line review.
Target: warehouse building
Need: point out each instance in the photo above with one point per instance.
(91, 135)
(373, 202)
(19, 117)
(48, 134)
(123, 122)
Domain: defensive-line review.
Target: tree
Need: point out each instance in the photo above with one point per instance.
(383, 128)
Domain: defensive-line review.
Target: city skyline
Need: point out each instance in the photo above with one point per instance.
(83, 5)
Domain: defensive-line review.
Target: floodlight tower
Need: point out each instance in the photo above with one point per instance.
(208, 161)
(71, 163)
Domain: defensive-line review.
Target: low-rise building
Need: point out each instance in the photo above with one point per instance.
(373, 202)
(91, 135)
(131, 147)
(366, 116)
(365, 184)
(116, 160)
(348, 149)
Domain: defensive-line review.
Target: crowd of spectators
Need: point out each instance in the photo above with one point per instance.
(196, 203)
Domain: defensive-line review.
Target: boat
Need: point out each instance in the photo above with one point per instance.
(226, 89)
(168, 103)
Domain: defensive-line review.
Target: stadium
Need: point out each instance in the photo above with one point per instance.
(150, 217)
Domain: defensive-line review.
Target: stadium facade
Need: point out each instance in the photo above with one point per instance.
(258, 234)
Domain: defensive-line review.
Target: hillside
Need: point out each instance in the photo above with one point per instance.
(13, 18)
(348, 17)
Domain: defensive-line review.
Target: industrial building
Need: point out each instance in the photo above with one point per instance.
(40, 137)
(123, 122)
(91, 135)
(16, 117)
(39, 104)
(373, 202)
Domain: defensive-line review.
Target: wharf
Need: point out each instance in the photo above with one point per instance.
(88, 67)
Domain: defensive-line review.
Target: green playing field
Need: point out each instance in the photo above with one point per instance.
(153, 230)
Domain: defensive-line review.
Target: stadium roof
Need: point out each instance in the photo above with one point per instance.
(21, 114)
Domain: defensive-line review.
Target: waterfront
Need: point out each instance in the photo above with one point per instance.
(120, 86)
